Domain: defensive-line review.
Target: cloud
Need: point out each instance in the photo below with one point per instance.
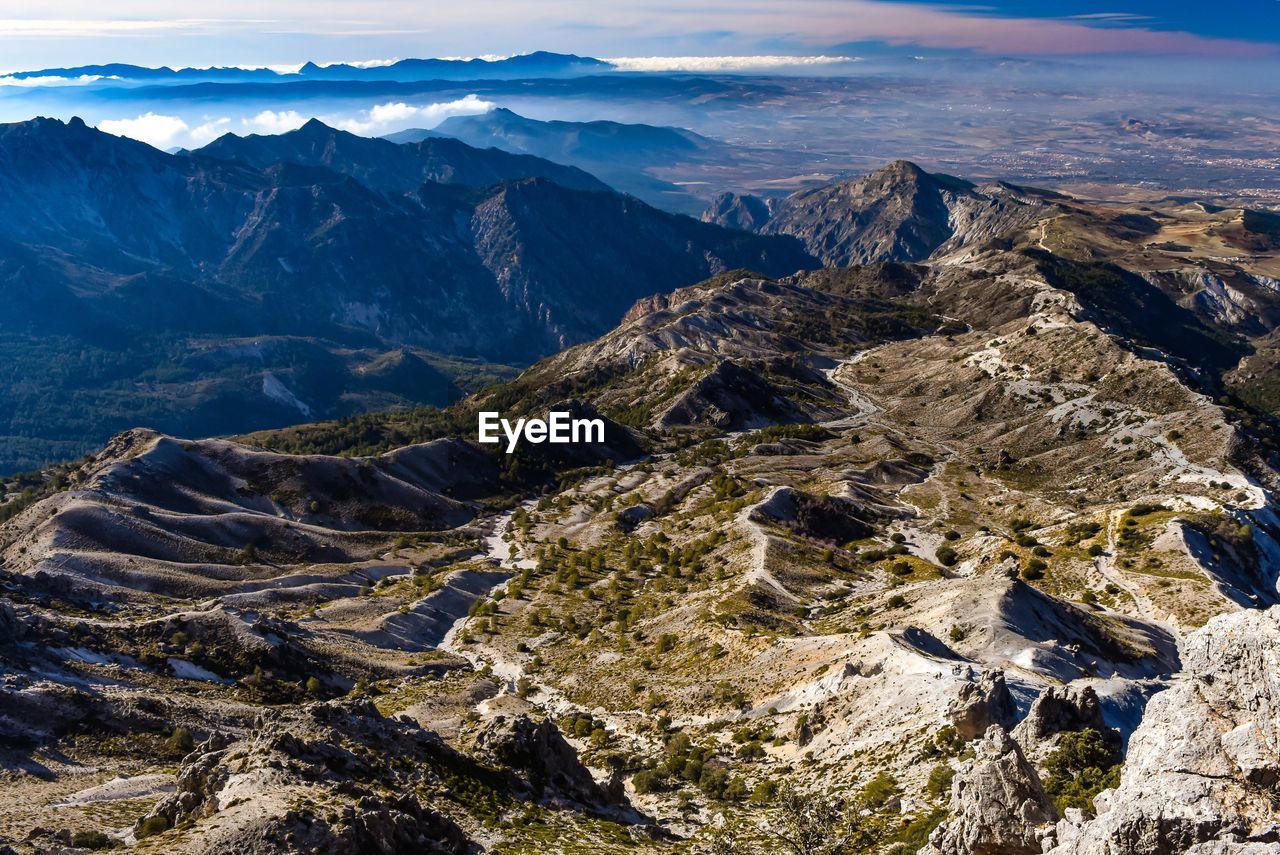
(394, 115)
(722, 63)
(209, 131)
(53, 80)
(271, 122)
(152, 128)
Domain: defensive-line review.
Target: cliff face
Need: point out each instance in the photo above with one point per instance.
(1202, 768)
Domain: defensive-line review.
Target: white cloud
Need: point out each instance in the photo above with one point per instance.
(209, 131)
(50, 80)
(271, 122)
(157, 130)
(722, 63)
(383, 118)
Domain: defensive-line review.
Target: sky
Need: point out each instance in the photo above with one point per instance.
(262, 32)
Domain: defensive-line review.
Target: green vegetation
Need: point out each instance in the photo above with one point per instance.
(152, 826)
(92, 839)
(1084, 764)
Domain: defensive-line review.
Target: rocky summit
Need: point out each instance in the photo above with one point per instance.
(929, 516)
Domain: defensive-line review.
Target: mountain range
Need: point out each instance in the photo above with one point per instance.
(234, 273)
(972, 548)
(537, 64)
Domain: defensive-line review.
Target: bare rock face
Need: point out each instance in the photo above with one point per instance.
(738, 211)
(998, 806)
(1060, 709)
(315, 780)
(538, 751)
(982, 704)
(1203, 767)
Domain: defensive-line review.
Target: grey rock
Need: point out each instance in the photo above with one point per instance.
(539, 752)
(998, 806)
(10, 625)
(1060, 709)
(981, 704)
(1203, 765)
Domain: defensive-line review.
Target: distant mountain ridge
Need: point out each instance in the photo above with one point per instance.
(620, 153)
(536, 64)
(385, 165)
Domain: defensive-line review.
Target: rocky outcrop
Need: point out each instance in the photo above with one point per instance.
(316, 780)
(979, 705)
(544, 758)
(1060, 709)
(998, 806)
(898, 213)
(731, 397)
(1203, 767)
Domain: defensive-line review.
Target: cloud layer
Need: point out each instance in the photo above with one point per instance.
(709, 64)
(168, 131)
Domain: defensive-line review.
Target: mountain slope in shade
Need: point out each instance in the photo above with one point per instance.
(383, 165)
(117, 253)
(898, 213)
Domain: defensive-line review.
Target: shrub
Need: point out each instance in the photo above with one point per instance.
(940, 780)
(1084, 764)
(153, 825)
(765, 792)
(947, 556)
(91, 840)
(1034, 570)
(647, 781)
(180, 742)
(879, 790)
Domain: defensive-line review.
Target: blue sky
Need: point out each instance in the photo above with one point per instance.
(181, 32)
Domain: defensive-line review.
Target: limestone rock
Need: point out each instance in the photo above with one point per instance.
(998, 806)
(538, 751)
(257, 794)
(982, 704)
(1060, 709)
(10, 625)
(1203, 766)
